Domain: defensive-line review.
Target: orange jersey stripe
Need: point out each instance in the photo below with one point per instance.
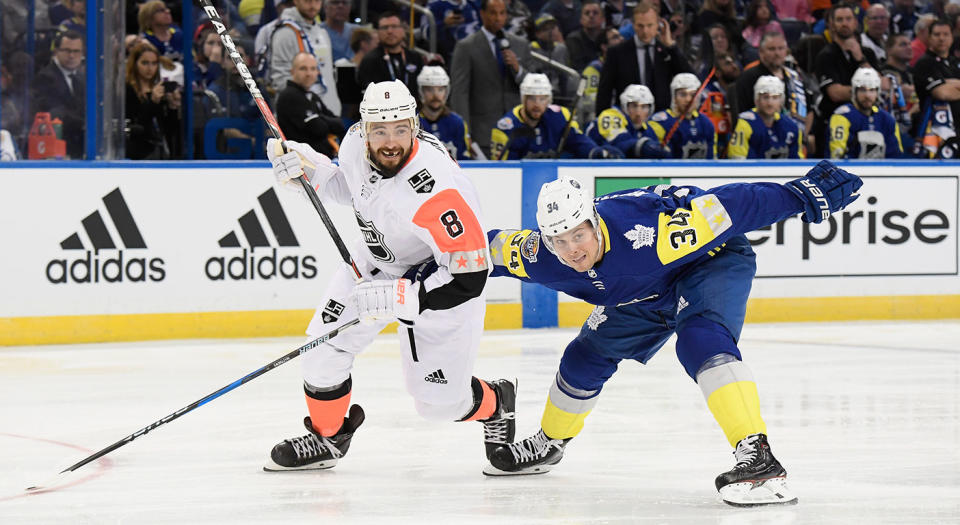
(451, 222)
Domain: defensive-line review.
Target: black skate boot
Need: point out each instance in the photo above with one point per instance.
(500, 428)
(757, 478)
(534, 455)
(313, 451)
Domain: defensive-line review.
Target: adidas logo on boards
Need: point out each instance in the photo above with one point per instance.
(99, 262)
(268, 263)
(436, 377)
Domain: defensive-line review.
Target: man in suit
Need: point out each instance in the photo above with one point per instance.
(60, 89)
(487, 69)
(390, 61)
(649, 58)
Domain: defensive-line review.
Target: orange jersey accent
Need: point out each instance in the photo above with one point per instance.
(452, 224)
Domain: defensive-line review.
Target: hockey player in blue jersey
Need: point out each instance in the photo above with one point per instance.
(861, 130)
(765, 132)
(695, 137)
(535, 127)
(655, 262)
(624, 126)
(437, 118)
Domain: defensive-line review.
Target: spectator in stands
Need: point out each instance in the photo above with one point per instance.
(903, 19)
(793, 10)
(877, 27)
(336, 13)
(390, 60)
(938, 72)
(762, 132)
(362, 42)
(921, 32)
(208, 55)
(861, 130)
(481, 89)
(716, 42)
(535, 128)
(301, 113)
(548, 42)
(435, 115)
(456, 20)
(616, 13)
(584, 43)
(759, 21)
(59, 90)
(898, 66)
(156, 25)
(720, 12)
(567, 13)
(11, 103)
(834, 68)
(77, 21)
(649, 58)
(58, 11)
(772, 54)
(299, 31)
(151, 110)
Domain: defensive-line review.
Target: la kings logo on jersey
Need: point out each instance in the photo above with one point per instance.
(421, 182)
(374, 240)
(107, 262)
(331, 312)
(273, 260)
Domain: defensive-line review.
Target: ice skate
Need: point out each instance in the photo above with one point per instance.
(313, 451)
(500, 428)
(534, 455)
(757, 479)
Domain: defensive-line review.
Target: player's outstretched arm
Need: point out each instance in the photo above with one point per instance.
(825, 189)
(301, 159)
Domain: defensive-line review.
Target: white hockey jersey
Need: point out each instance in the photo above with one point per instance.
(427, 213)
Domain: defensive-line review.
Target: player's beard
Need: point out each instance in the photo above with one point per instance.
(385, 171)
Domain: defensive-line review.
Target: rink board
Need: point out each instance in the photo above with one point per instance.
(127, 251)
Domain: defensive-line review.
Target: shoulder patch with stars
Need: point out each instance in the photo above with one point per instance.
(659, 116)
(748, 115)
(506, 124)
(842, 110)
(531, 245)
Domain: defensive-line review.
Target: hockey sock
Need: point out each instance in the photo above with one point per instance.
(732, 397)
(327, 406)
(567, 408)
(484, 401)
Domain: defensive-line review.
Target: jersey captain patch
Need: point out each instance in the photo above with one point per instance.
(421, 182)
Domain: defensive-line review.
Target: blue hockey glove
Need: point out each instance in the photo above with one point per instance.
(605, 152)
(825, 189)
(646, 148)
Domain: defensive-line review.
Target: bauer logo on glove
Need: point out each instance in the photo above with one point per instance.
(824, 190)
(395, 299)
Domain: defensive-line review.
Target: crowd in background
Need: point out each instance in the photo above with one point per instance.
(509, 78)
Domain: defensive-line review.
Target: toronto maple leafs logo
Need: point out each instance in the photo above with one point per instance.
(641, 236)
(596, 318)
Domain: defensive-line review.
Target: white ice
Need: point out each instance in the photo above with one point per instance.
(864, 416)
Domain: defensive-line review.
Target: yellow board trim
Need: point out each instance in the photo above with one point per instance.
(500, 316)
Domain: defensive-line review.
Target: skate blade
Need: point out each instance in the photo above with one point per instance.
(490, 470)
(773, 491)
(271, 466)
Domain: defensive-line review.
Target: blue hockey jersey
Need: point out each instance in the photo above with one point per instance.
(452, 131)
(512, 139)
(855, 135)
(651, 238)
(752, 139)
(694, 138)
(613, 126)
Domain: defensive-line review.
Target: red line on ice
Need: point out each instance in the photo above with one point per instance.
(103, 463)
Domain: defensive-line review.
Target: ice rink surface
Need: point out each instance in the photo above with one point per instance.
(864, 416)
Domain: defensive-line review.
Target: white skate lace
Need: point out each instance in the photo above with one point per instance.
(311, 446)
(746, 452)
(496, 431)
(534, 447)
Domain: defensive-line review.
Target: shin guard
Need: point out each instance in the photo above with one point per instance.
(327, 406)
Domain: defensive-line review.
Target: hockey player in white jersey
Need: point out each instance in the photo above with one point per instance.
(424, 262)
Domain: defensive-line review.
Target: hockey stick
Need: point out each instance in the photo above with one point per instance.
(676, 123)
(581, 87)
(197, 404)
(271, 122)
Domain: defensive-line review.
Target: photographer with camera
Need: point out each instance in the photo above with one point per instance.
(152, 106)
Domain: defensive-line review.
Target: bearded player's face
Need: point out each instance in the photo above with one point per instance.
(389, 145)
